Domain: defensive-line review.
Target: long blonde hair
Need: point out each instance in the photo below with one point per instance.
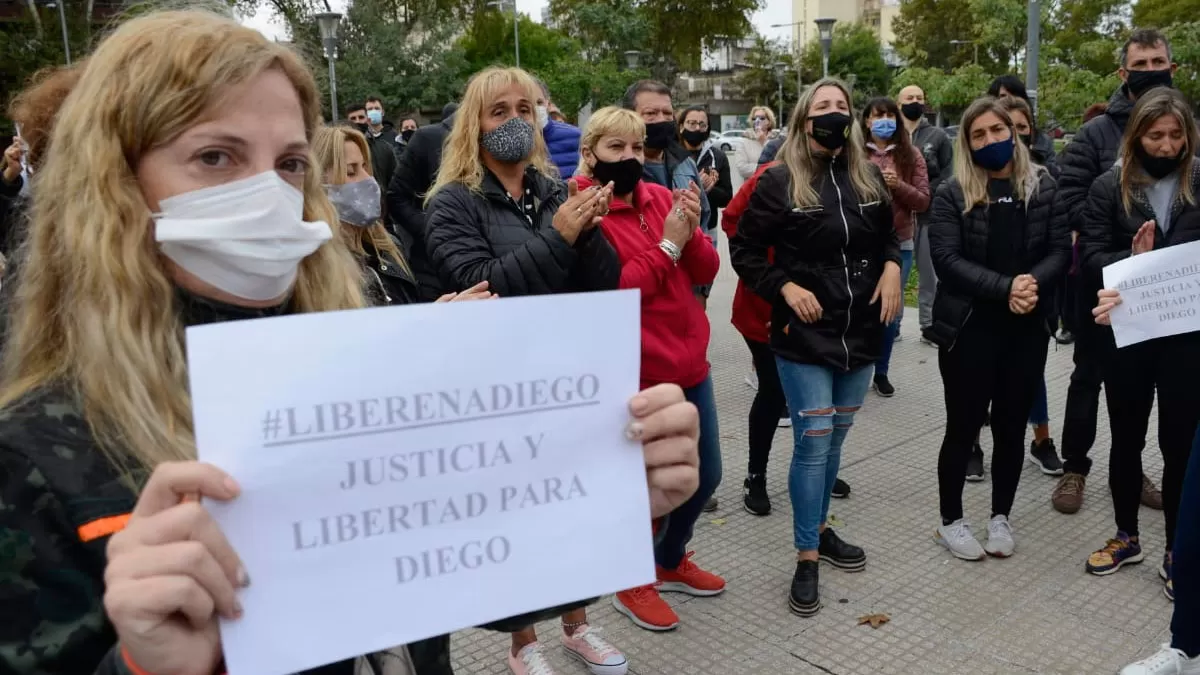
(610, 121)
(972, 178)
(94, 309)
(1150, 107)
(803, 166)
(461, 162)
(329, 149)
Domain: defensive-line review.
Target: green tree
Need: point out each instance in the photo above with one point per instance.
(1086, 34)
(606, 28)
(758, 82)
(930, 80)
(925, 30)
(1185, 45)
(854, 54)
(1066, 92)
(1163, 13)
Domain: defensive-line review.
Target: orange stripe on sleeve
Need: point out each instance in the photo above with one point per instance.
(102, 527)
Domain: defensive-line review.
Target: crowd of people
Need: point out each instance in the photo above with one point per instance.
(189, 206)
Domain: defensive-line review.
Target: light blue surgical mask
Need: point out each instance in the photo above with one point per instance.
(375, 116)
(883, 128)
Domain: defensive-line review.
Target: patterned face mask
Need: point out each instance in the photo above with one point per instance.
(510, 142)
(357, 203)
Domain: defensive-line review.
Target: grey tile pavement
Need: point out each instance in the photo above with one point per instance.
(1037, 612)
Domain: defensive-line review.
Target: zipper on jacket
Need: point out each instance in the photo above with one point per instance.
(845, 264)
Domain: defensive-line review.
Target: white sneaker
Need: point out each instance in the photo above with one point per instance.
(1000, 539)
(752, 380)
(1167, 661)
(531, 660)
(958, 539)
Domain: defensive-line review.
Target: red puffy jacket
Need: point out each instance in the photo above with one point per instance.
(751, 314)
(675, 329)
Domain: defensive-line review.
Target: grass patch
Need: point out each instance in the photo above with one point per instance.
(910, 289)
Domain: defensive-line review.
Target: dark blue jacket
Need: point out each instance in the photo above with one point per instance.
(562, 140)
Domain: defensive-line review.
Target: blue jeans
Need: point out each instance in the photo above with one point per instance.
(893, 329)
(673, 546)
(1040, 413)
(822, 404)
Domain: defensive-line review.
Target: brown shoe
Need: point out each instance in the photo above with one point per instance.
(1151, 495)
(1068, 494)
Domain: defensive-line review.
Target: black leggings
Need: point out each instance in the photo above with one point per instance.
(1000, 359)
(1172, 366)
(768, 407)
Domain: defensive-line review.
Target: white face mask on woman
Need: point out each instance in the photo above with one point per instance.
(246, 238)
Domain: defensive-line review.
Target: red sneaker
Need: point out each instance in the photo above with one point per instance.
(689, 578)
(646, 608)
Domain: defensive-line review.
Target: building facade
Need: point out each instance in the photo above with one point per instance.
(879, 15)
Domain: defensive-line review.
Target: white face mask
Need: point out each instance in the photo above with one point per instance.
(246, 238)
(543, 116)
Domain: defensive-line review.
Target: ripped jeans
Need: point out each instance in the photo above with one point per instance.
(822, 402)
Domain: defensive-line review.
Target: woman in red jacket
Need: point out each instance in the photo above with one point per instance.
(907, 178)
(752, 318)
(663, 253)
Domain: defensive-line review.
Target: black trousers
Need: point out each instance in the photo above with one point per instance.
(769, 405)
(998, 358)
(1094, 347)
(1171, 366)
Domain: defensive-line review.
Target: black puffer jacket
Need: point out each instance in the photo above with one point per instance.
(836, 251)
(388, 283)
(1091, 153)
(1043, 153)
(958, 246)
(413, 177)
(1108, 230)
(484, 236)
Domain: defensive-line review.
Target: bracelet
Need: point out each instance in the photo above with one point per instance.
(671, 250)
(128, 660)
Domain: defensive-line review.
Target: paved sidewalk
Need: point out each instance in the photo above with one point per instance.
(1037, 612)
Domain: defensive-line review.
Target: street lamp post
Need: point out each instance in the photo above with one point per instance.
(825, 30)
(327, 23)
(797, 52)
(62, 22)
(500, 5)
(779, 69)
(633, 59)
(1031, 54)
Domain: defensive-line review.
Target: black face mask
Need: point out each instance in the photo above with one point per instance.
(831, 130)
(660, 134)
(695, 138)
(913, 110)
(1142, 81)
(1157, 167)
(1027, 139)
(361, 127)
(407, 134)
(624, 174)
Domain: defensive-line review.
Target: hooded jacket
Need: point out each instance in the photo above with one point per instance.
(709, 156)
(675, 329)
(910, 196)
(836, 250)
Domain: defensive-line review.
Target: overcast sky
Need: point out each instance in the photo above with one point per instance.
(776, 11)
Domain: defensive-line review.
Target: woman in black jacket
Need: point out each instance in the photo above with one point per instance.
(495, 214)
(345, 158)
(834, 283)
(999, 245)
(1147, 201)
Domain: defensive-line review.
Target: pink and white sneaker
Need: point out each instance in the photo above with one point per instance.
(530, 661)
(598, 654)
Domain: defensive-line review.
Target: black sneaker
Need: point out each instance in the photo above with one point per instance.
(846, 557)
(841, 489)
(711, 505)
(1045, 456)
(883, 387)
(1064, 337)
(975, 465)
(754, 495)
(805, 597)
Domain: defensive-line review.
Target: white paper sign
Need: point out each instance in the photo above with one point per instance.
(412, 471)
(1160, 293)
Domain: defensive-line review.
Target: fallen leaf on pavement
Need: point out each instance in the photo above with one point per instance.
(876, 620)
(718, 521)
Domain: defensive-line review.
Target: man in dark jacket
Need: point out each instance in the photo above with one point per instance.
(938, 151)
(1145, 63)
(406, 196)
(382, 147)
